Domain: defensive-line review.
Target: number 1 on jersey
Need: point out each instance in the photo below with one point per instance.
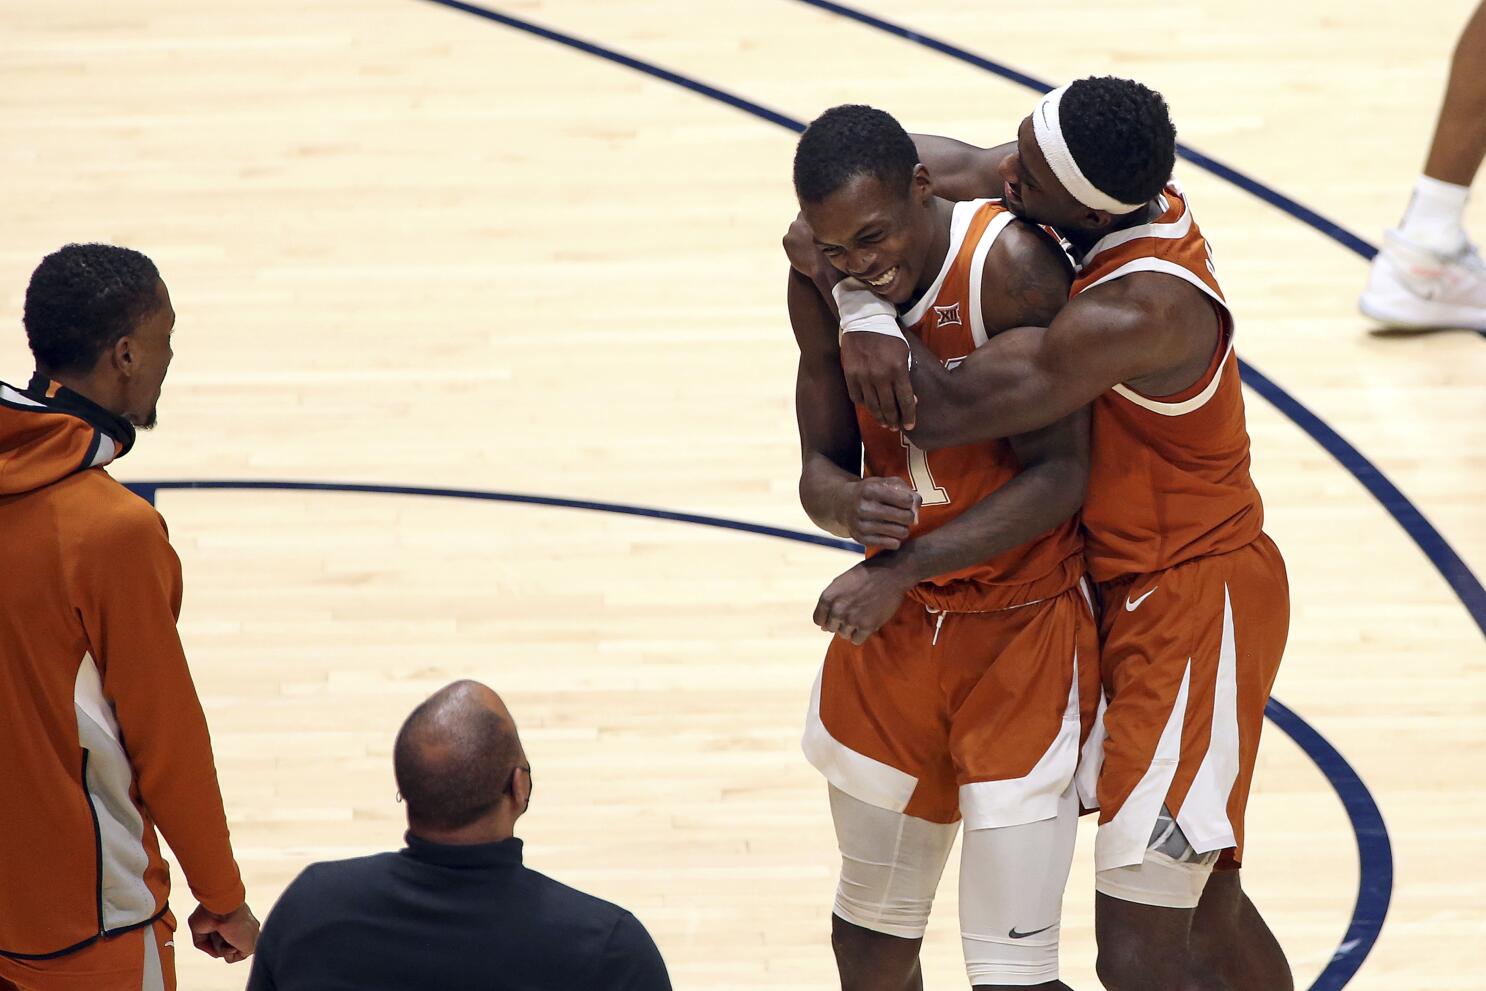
(922, 478)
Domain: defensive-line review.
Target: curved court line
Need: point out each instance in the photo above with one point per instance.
(1374, 851)
(1374, 892)
(147, 490)
(1429, 540)
(1274, 197)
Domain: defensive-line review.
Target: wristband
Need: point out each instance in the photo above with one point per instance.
(863, 312)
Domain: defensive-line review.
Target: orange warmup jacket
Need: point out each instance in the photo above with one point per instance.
(102, 737)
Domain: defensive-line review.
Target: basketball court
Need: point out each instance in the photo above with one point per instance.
(504, 282)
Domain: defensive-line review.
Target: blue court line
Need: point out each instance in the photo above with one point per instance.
(1271, 196)
(1374, 891)
(609, 54)
(1374, 852)
(147, 490)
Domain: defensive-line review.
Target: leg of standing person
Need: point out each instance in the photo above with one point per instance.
(1232, 947)
(1188, 675)
(875, 730)
(1460, 135)
(1428, 273)
(890, 869)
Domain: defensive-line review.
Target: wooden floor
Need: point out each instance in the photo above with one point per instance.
(414, 247)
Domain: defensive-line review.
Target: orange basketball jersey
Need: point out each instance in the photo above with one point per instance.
(1169, 476)
(949, 320)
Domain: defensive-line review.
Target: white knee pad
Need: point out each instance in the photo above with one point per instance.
(1011, 897)
(890, 866)
(1171, 876)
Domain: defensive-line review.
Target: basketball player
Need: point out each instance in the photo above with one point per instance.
(1194, 594)
(102, 737)
(961, 683)
(1428, 273)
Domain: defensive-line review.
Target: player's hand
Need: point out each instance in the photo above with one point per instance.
(857, 603)
(231, 937)
(876, 371)
(806, 258)
(799, 246)
(881, 511)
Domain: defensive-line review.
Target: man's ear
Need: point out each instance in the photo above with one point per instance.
(1098, 219)
(521, 789)
(121, 355)
(922, 185)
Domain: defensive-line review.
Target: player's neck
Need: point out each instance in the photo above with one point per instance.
(1083, 240)
(92, 386)
(938, 248)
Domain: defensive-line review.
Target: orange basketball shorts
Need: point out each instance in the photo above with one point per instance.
(975, 714)
(1188, 659)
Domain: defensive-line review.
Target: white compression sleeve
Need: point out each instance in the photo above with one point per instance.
(1011, 897)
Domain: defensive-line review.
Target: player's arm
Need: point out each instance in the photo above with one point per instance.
(1048, 489)
(876, 512)
(962, 171)
(127, 586)
(1026, 278)
(1026, 378)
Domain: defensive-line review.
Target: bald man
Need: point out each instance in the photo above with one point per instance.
(455, 908)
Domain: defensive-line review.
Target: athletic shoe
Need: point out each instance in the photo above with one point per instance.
(1413, 287)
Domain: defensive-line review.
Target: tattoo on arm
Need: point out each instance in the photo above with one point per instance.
(1036, 293)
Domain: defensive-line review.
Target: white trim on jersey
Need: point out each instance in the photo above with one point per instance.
(959, 226)
(1161, 265)
(1123, 840)
(1204, 814)
(107, 450)
(1034, 796)
(977, 274)
(1167, 232)
(1153, 264)
(1187, 405)
(12, 396)
(857, 775)
(126, 898)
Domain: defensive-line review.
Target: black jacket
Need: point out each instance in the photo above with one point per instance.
(449, 918)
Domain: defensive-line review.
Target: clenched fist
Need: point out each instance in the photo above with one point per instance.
(857, 603)
(881, 511)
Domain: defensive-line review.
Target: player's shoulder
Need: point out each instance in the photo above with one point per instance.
(1026, 279)
(1023, 244)
(1149, 302)
(1136, 322)
(97, 506)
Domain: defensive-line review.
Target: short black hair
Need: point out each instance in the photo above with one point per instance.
(848, 141)
(452, 770)
(1121, 136)
(82, 299)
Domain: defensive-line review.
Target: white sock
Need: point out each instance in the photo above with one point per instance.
(1435, 215)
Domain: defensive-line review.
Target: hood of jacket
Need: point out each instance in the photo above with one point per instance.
(48, 432)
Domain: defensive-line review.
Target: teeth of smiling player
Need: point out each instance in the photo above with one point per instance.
(885, 277)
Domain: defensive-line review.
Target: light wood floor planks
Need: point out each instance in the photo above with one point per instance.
(410, 246)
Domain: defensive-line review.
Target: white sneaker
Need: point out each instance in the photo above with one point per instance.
(1412, 286)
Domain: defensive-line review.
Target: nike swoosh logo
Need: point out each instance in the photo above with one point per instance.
(1016, 935)
(1133, 604)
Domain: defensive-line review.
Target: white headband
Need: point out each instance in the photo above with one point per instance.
(1049, 133)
